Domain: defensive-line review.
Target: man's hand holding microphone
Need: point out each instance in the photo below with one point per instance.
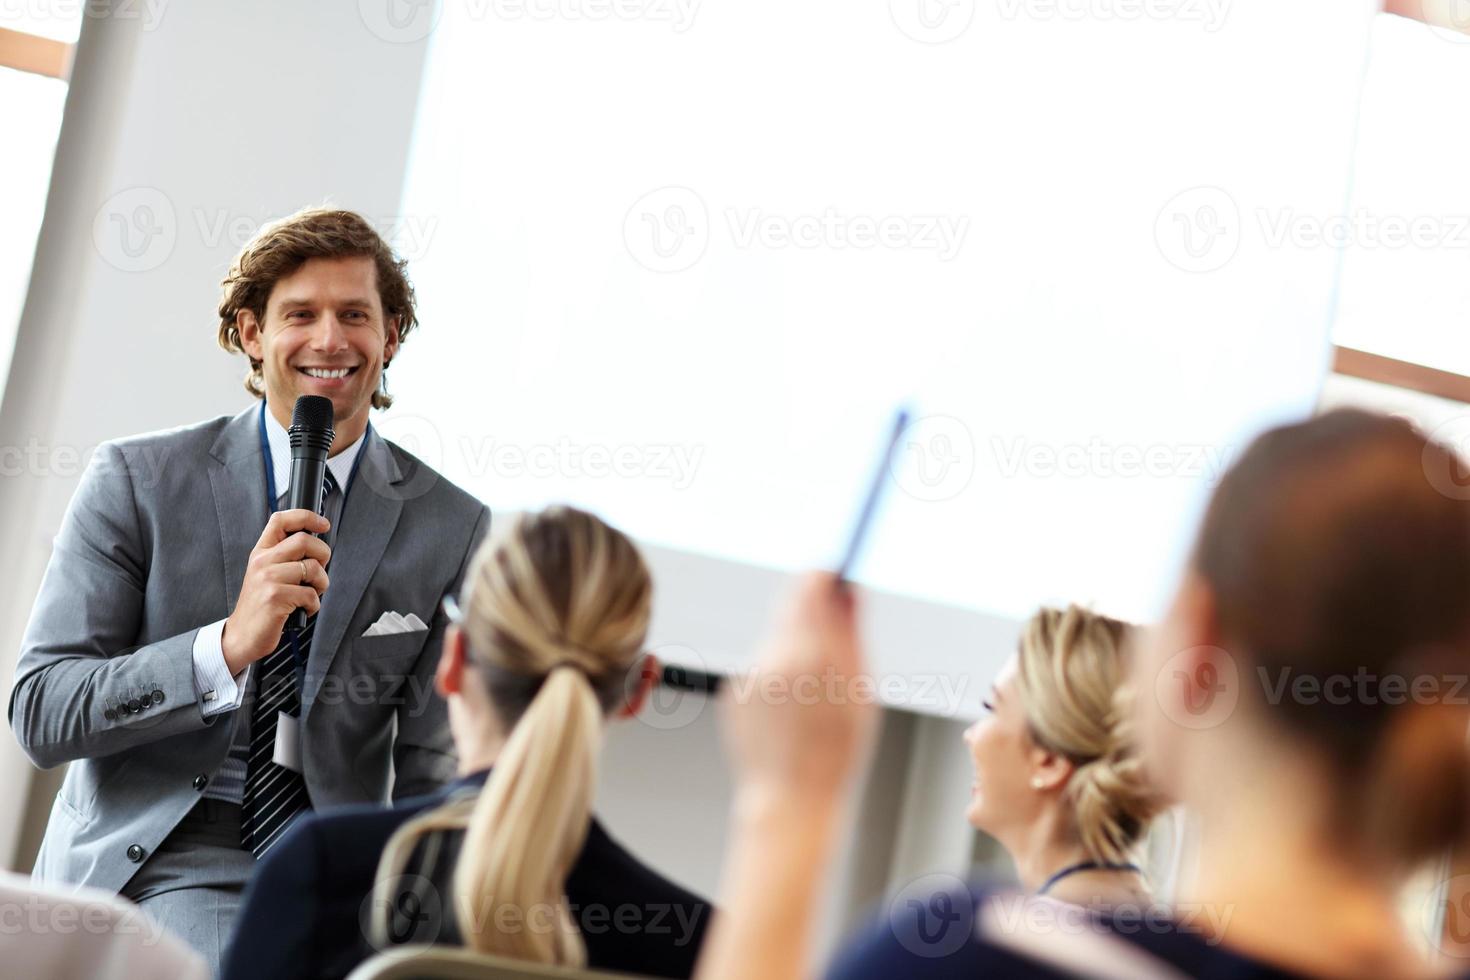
(287, 570)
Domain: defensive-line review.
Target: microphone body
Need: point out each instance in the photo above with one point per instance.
(311, 443)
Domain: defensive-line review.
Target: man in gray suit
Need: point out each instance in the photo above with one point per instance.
(157, 661)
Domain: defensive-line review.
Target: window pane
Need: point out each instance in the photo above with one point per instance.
(1406, 270)
(33, 107)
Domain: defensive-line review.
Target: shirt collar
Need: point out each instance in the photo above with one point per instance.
(279, 441)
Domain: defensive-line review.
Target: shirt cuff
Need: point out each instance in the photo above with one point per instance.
(218, 691)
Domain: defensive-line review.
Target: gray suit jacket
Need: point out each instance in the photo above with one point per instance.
(154, 546)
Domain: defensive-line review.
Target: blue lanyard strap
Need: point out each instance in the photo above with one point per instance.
(273, 496)
(1072, 869)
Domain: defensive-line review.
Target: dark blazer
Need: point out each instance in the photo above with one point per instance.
(306, 910)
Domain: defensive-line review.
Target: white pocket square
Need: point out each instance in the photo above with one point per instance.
(392, 622)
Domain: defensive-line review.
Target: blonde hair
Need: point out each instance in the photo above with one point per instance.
(556, 611)
(1071, 669)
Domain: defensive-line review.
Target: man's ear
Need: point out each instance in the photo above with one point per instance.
(449, 675)
(390, 341)
(650, 671)
(249, 328)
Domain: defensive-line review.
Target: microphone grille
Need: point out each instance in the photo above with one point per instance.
(313, 413)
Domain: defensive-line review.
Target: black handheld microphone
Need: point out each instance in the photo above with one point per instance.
(311, 442)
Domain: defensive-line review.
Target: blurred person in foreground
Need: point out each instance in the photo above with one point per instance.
(51, 933)
(547, 647)
(1329, 553)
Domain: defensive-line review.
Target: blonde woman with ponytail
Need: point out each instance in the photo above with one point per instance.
(1057, 781)
(544, 644)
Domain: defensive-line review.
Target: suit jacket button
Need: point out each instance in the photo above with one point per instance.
(158, 695)
(200, 781)
(134, 704)
(110, 715)
(135, 853)
(123, 708)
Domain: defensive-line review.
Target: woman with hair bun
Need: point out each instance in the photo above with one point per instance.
(1302, 698)
(1056, 781)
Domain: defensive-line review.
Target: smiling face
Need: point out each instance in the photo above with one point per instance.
(1006, 760)
(324, 333)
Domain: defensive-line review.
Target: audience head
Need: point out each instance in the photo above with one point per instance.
(1053, 743)
(555, 610)
(1329, 570)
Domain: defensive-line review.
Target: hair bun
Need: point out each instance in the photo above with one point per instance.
(1071, 668)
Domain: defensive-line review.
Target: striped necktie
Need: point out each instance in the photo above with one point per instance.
(274, 795)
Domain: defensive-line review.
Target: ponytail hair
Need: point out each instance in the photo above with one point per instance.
(556, 612)
(1071, 668)
(528, 827)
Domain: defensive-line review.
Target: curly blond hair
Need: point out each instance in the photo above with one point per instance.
(1072, 668)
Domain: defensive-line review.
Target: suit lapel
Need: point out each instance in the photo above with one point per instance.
(368, 520)
(238, 482)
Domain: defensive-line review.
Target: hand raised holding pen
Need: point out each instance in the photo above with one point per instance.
(798, 729)
(802, 725)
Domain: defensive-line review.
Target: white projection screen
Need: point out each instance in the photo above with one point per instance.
(1075, 237)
